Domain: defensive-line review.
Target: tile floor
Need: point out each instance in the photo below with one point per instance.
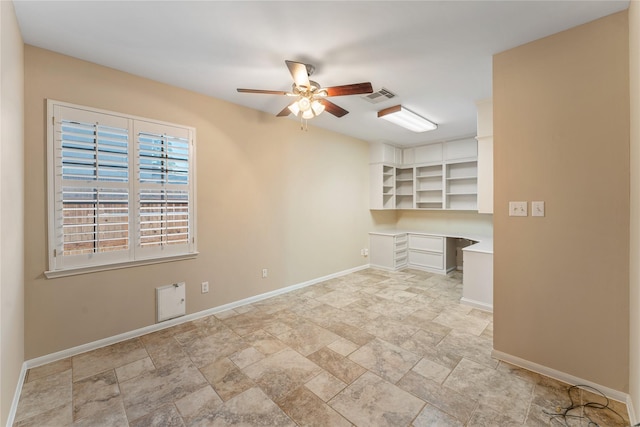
(372, 348)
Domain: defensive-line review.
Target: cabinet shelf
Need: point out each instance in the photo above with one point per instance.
(460, 178)
(434, 176)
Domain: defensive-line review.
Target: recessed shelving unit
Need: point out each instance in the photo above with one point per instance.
(439, 176)
(462, 186)
(387, 186)
(404, 188)
(429, 185)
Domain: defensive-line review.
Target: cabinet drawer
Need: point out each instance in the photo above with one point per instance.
(426, 259)
(401, 260)
(401, 239)
(426, 243)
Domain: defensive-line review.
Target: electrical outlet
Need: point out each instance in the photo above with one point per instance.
(517, 208)
(265, 273)
(205, 287)
(365, 252)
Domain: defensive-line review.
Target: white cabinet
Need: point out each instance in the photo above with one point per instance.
(382, 183)
(384, 153)
(388, 251)
(426, 252)
(461, 149)
(429, 185)
(462, 185)
(477, 280)
(430, 153)
(432, 176)
(485, 156)
(436, 254)
(404, 188)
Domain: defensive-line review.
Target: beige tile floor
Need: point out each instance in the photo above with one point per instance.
(372, 348)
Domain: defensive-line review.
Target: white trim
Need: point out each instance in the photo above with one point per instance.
(53, 357)
(54, 274)
(561, 376)
(632, 413)
(60, 265)
(16, 395)
(477, 304)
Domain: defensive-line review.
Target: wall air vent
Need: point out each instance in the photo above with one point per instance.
(379, 96)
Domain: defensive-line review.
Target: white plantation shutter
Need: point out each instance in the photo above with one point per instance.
(120, 188)
(163, 188)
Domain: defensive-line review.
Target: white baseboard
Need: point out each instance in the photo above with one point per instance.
(74, 351)
(562, 376)
(477, 304)
(16, 395)
(633, 420)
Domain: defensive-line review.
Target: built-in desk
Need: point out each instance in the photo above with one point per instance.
(436, 253)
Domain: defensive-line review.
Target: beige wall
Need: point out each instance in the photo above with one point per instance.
(634, 256)
(11, 206)
(561, 129)
(269, 196)
(455, 222)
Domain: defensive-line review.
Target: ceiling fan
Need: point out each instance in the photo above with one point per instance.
(311, 97)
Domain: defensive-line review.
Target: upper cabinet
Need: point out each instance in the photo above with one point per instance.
(441, 175)
(485, 156)
(384, 153)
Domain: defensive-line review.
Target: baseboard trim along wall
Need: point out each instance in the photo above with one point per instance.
(16, 395)
(74, 351)
(633, 420)
(477, 304)
(567, 378)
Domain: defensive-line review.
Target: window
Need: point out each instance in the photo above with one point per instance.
(121, 189)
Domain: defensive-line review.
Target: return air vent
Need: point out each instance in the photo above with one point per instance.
(379, 96)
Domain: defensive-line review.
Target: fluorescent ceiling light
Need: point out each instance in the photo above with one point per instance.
(407, 119)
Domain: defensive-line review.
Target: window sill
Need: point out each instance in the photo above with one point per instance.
(54, 274)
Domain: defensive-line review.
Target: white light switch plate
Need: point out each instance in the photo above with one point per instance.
(517, 208)
(537, 208)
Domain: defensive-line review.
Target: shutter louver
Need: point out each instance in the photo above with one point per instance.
(95, 220)
(95, 194)
(164, 190)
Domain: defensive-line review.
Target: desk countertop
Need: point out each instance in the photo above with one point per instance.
(484, 244)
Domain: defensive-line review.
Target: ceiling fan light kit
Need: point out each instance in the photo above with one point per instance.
(407, 119)
(311, 96)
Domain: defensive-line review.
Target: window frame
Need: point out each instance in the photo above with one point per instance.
(63, 265)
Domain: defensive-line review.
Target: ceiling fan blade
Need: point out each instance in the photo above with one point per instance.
(353, 89)
(267, 92)
(284, 113)
(332, 108)
(298, 71)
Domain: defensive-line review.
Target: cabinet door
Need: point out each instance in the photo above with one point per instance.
(431, 153)
(426, 259)
(463, 149)
(426, 243)
(382, 251)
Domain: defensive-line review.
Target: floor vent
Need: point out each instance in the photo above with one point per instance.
(379, 96)
(170, 301)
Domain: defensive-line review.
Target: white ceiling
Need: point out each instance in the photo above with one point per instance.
(434, 55)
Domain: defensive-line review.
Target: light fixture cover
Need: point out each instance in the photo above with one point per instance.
(407, 119)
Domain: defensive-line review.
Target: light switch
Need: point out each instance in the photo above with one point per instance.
(517, 208)
(537, 208)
